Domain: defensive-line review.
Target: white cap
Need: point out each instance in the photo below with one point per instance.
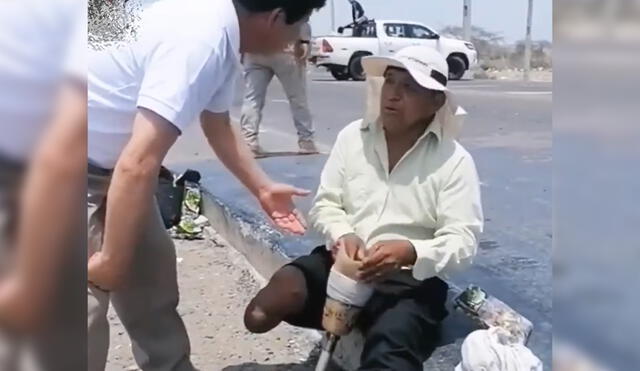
(426, 65)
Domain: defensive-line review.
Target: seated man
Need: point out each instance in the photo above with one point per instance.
(401, 194)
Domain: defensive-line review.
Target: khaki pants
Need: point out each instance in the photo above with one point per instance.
(147, 305)
(258, 73)
(61, 344)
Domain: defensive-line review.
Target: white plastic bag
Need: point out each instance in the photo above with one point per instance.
(491, 350)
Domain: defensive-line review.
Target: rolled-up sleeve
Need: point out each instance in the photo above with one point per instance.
(328, 215)
(460, 221)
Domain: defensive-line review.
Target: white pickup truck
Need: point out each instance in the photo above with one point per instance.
(341, 54)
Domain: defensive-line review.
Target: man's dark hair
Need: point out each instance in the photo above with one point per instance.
(294, 10)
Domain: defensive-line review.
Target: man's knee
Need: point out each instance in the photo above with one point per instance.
(255, 319)
(284, 295)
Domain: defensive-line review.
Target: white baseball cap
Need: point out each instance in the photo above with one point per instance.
(426, 65)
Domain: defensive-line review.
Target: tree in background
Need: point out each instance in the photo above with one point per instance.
(495, 53)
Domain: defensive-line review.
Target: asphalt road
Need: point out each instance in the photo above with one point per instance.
(508, 131)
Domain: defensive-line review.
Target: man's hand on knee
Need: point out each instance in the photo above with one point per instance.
(353, 246)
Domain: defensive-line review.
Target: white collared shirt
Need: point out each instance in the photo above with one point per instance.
(431, 198)
(184, 60)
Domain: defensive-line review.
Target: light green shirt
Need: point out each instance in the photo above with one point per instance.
(431, 198)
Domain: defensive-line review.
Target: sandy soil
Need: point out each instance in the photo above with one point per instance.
(216, 283)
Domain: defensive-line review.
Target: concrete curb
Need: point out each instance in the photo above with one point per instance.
(247, 234)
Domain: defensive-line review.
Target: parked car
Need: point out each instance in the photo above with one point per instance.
(341, 54)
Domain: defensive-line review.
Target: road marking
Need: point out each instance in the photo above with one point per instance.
(528, 92)
(280, 101)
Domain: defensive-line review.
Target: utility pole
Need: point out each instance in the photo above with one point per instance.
(466, 20)
(333, 16)
(527, 44)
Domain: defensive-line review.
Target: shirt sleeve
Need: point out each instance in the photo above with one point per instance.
(180, 79)
(222, 99)
(327, 214)
(460, 221)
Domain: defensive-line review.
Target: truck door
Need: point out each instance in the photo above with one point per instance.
(395, 37)
(423, 36)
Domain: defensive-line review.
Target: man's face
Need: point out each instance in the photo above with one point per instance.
(404, 102)
(277, 34)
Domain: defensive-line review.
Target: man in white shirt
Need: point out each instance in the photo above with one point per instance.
(42, 176)
(402, 197)
(141, 96)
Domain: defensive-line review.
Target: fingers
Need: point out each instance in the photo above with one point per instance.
(377, 273)
(361, 254)
(301, 192)
(373, 259)
(300, 218)
(289, 224)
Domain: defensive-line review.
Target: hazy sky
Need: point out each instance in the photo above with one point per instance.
(507, 17)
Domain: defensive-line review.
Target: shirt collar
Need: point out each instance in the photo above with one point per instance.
(434, 128)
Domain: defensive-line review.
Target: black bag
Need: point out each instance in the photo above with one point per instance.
(170, 194)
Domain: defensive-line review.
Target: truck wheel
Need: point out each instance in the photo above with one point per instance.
(355, 67)
(340, 74)
(457, 67)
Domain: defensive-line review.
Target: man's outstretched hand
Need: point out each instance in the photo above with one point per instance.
(277, 201)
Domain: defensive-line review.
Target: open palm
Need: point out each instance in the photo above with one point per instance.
(277, 202)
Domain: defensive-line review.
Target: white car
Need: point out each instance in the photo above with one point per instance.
(341, 54)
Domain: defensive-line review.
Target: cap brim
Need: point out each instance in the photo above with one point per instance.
(376, 66)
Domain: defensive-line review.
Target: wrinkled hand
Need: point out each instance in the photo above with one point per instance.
(107, 273)
(385, 258)
(352, 244)
(277, 201)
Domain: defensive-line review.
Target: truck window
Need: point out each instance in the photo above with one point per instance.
(365, 30)
(395, 30)
(419, 32)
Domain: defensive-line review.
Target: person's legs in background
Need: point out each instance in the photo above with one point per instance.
(293, 76)
(257, 77)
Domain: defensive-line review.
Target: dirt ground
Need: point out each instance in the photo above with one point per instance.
(216, 283)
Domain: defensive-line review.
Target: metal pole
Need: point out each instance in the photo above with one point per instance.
(327, 352)
(527, 44)
(333, 16)
(466, 20)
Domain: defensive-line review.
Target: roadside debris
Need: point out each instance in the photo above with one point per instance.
(501, 344)
(188, 224)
